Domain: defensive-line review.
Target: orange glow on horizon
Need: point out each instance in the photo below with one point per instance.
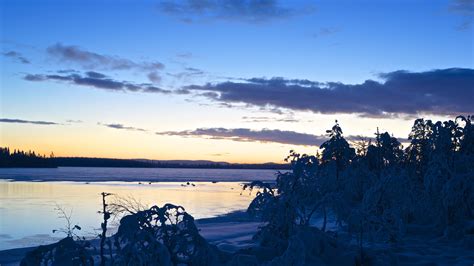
(107, 143)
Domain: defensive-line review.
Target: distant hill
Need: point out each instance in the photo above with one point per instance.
(145, 163)
(22, 159)
(183, 162)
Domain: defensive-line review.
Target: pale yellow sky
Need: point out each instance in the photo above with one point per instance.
(89, 139)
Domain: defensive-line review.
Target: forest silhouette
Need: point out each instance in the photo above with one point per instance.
(22, 159)
(19, 158)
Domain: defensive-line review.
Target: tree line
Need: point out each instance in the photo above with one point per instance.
(376, 191)
(19, 158)
(30, 159)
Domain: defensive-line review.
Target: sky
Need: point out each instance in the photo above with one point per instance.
(227, 80)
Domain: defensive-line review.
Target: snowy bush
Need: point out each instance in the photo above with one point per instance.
(311, 246)
(157, 236)
(376, 193)
(265, 201)
(161, 236)
(65, 252)
(458, 198)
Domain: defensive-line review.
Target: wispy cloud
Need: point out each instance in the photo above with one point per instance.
(219, 154)
(74, 121)
(93, 60)
(441, 91)
(122, 127)
(464, 8)
(17, 57)
(260, 119)
(187, 73)
(245, 135)
(247, 11)
(262, 136)
(154, 77)
(99, 81)
(21, 121)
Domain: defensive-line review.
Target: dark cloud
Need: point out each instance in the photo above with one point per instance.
(67, 71)
(188, 73)
(96, 75)
(34, 77)
(92, 60)
(181, 91)
(17, 57)
(194, 71)
(96, 80)
(464, 8)
(441, 91)
(248, 11)
(212, 95)
(263, 136)
(153, 89)
(120, 126)
(99, 81)
(245, 134)
(21, 121)
(154, 77)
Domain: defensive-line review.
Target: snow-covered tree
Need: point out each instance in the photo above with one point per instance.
(337, 150)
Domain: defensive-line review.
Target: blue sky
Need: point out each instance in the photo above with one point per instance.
(199, 42)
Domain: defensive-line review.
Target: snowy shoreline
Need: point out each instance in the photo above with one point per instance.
(234, 231)
(229, 232)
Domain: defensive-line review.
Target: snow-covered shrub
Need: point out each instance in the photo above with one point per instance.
(377, 193)
(65, 252)
(387, 152)
(357, 180)
(311, 246)
(161, 236)
(297, 195)
(467, 138)
(386, 207)
(158, 236)
(265, 201)
(302, 187)
(458, 198)
(243, 259)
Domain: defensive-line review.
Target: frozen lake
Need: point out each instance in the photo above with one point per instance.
(91, 174)
(27, 209)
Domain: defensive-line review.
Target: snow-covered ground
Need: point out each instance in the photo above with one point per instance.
(229, 232)
(235, 230)
(420, 247)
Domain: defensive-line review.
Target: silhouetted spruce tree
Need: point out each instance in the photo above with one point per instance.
(337, 150)
(419, 150)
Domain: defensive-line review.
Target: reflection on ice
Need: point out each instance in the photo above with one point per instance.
(27, 209)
